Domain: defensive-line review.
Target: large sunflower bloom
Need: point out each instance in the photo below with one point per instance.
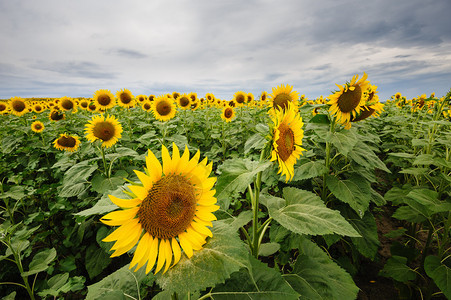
(281, 96)
(67, 103)
(347, 102)
(106, 129)
(240, 98)
(125, 98)
(183, 101)
(56, 115)
(287, 139)
(18, 106)
(37, 126)
(67, 142)
(104, 99)
(169, 213)
(163, 108)
(371, 107)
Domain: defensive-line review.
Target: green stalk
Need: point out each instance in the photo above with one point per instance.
(444, 245)
(328, 162)
(19, 265)
(102, 150)
(255, 197)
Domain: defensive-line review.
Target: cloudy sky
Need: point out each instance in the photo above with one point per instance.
(73, 48)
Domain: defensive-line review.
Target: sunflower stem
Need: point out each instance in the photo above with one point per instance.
(102, 150)
(20, 267)
(255, 197)
(327, 161)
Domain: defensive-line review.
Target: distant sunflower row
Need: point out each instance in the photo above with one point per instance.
(419, 103)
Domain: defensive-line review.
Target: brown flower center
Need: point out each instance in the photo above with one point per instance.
(2, 106)
(240, 99)
(169, 207)
(18, 106)
(367, 112)
(147, 106)
(56, 115)
(349, 100)
(285, 143)
(104, 131)
(125, 98)
(67, 141)
(163, 108)
(37, 126)
(228, 113)
(184, 101)
(67, 104)
(104, 99)
(281, 101)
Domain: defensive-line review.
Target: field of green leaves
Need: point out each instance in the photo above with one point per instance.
(272, 197)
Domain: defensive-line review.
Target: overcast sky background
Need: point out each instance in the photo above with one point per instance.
(73, 48)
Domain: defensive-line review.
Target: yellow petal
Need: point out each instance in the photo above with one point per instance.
(139, 191)
(168, 254)
(146, 180)
(153, 253)
(141, 250)
(176, 250)
(122, 231)
(167, 161)
(121, 215)
(186, 245)
(133, 234)
(175, 157)
(161, 256)
(201, 229)
(153, 166)
(183, 161)
(126, 247)
(125, 203)
(205, 215)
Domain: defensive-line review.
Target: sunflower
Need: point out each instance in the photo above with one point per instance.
(239, 98)
(125, 98)
(147, 105)
(56, 115)
(192, 96)
(175, 95)
(163, 108)
(37, 126)
(348, 101)
(104, 99)
(92, 108)
(151, 97)
(210, 98)
(141, 98)
(249, 97)
(287, 139)
(4, 108)
(84, 103)
(371, 107)
(66, 103)
(263, 96)
(228, 113)
(38, 107)
(195, 104)
(169, 213)
(183, 101)
(18, 106)
(67, 142)
(281, 96)
(105, 129)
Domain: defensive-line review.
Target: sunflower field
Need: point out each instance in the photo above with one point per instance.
(273, 196)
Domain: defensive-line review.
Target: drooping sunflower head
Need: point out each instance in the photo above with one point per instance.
(125, 98)
(67, 142)
(18, 106)
(239, 98)
(195, 104)
(105, 129)
(263, 96)
(104, 99)
(192, 96)
(175, 95)
(163, 108)
(151, 97)
(56, 115)
(283, 95)
(349, 99)
(170, 211)
(37, 126)
(228, 113)
(184, 101)
(210, 98)
(66, 103)
(232, 103)
(287, 139)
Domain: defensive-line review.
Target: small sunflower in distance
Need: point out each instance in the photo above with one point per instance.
(66, 103)
(104, 99)
(287, 139)
(106, 129)
(183, 101)
(170, 212)
(347, 102)
(228, 113)
(125, 98)
(281, 96)
(3, 108)
(239, 98)
(66, 142)
(37, 126)
(163, 108)
(56, 115)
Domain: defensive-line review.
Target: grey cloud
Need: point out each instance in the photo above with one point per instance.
(129, 53)
(84, 69)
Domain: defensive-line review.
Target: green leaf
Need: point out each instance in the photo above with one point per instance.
(243, 218)
(257, 282)
(415, 171)
(429, 199)
(236, 175)
(102, 184)
(96, 260)
(410, 214)
(267, 249)
(344, 142)
(222, 255)
(257, 141)
(55, 284)
(398, 195)
(73, 189)
(303, 212)
(309, 170)
(397, 269)
(79, 172)
(316, 276)
(104, 205)
(121, 284)
(363, 155)
(41, 262)
(350, 191)
(368, 243)
(320, 119)
(402, 154)
(440, 273)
